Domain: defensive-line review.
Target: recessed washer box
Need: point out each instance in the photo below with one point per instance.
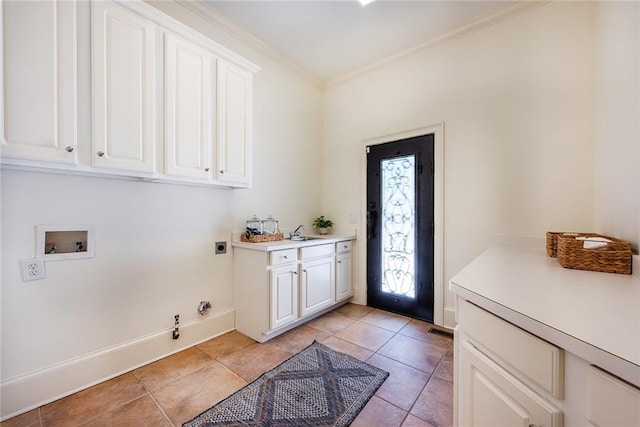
(60, 242)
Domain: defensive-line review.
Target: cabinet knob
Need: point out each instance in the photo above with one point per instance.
(533, 425)
(69, 148)
(206, 169)
(285, 256)
(100, 153)
(295, 272)
(339, 262)
(222, 172)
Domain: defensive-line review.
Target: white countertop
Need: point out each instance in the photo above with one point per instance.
(591, 314)
(288, 244)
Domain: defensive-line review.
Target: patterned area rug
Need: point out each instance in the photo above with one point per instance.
(316, 387)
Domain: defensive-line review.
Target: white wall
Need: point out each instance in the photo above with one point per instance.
(154, 244)
(516, 99)
(617, 121)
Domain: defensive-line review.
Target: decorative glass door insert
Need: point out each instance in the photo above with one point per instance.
(398, 200)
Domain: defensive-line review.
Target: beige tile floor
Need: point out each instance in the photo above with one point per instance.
(417, 393)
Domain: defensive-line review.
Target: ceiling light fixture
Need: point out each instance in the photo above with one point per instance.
(365, 2)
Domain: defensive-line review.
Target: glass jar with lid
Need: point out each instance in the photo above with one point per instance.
(256, 225)
(271, 225)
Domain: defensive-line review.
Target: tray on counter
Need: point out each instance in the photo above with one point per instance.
(260, 238)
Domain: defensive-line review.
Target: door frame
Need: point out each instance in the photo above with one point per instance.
(438, 212)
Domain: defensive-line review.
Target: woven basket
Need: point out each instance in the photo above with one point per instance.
(552, 240)
(259, 238)
(614, 258)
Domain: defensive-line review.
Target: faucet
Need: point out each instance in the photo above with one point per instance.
(296, 232)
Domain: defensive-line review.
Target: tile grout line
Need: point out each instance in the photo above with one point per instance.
(157, 404)
(430, 375)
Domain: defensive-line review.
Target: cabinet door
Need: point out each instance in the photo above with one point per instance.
(189, 119)
(344, 288)
(284, 296)
(488, 395)
(611, 402)
(123, 88)
(317, 289)
(39, 80)
(234, 125)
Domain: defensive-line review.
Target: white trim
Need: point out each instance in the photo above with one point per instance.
(200, 8)
(511, 9)
(450, 321)
(28, 391)
(438, 213)
(208, 13)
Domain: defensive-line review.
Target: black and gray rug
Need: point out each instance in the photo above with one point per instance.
(316, 387)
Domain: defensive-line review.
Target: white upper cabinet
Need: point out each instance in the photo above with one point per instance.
(123, 87)
(167, 103)
(234, 124)
(189, 117)
(39, 110)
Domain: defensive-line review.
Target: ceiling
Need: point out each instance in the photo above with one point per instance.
(332, 39)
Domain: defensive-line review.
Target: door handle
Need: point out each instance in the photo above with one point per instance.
(372, 219)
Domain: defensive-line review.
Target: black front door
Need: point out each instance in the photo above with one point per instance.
(400, 226)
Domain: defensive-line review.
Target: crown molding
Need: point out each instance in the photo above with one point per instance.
(513, 8)
(200, 8)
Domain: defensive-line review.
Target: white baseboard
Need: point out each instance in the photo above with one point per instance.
(25, 392)
(449, 318)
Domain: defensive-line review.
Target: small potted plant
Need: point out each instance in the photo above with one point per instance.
(322, 224)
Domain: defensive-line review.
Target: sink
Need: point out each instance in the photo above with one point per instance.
(302, 238)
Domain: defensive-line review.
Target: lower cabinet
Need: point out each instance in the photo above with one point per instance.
(317, 289)
(283, 283)
(344, 274)
(280, 289)
(500, 370)
(611, 402)
(507, 376)
(491, 396)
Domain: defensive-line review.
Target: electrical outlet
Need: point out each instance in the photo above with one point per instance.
(221, 248)
(32, 269)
